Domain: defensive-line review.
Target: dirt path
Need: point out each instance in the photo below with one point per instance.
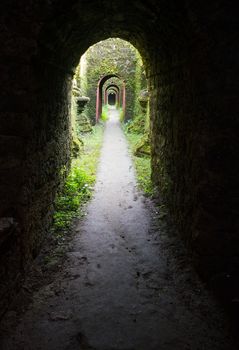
(120, 288)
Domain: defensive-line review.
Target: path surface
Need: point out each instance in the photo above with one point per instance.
(118, 289)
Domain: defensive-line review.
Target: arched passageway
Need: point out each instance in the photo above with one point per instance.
(190, 54)
(111, 98)
(99, 93)
(116, 90)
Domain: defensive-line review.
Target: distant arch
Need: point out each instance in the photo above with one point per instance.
(99, 93)
(112, 98)
(114, 88)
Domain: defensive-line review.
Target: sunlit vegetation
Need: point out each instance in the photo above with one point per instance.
(78, 186)
(136, 125)
(121, 115)
(142, 164)
(111, 56)
(104, 115)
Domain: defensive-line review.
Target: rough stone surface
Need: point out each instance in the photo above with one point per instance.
(142, 148)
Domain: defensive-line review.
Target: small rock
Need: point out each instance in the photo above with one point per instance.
(58, 316)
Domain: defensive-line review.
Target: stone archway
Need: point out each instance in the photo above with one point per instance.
(115, 89)
(112, 98)
(99, 93)
(190, 67)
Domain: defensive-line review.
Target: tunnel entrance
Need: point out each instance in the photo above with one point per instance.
(115, 90)
(111, 98)
(193, 123)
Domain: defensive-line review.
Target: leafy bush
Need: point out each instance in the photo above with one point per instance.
(79, 183)
(76, 191)
(104, 115)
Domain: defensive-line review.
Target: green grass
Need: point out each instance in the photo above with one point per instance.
(92, 146)
(78, 186)
(76, 191)
(142, 165)
(121, 115)
(104, 115)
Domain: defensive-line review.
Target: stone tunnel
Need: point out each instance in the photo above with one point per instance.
(190, 51)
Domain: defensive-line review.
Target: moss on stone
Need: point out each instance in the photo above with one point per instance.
(76, 147)
(137, 125)
(83, 124)
(142, 148)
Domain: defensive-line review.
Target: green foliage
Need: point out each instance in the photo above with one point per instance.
(136, 125)
(142, 165)
(76, 146)
(121, 115)
(139, 83)
(143, 170)
(78, 186)
(143, 146)
(104, 115)
(92, 145)
(76, 191)
(114, 56)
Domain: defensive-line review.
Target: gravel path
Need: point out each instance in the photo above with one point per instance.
(125, 285)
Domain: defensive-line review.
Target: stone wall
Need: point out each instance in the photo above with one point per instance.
(190, 51)
(39, 161)
(34, 142)
(194, 152)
